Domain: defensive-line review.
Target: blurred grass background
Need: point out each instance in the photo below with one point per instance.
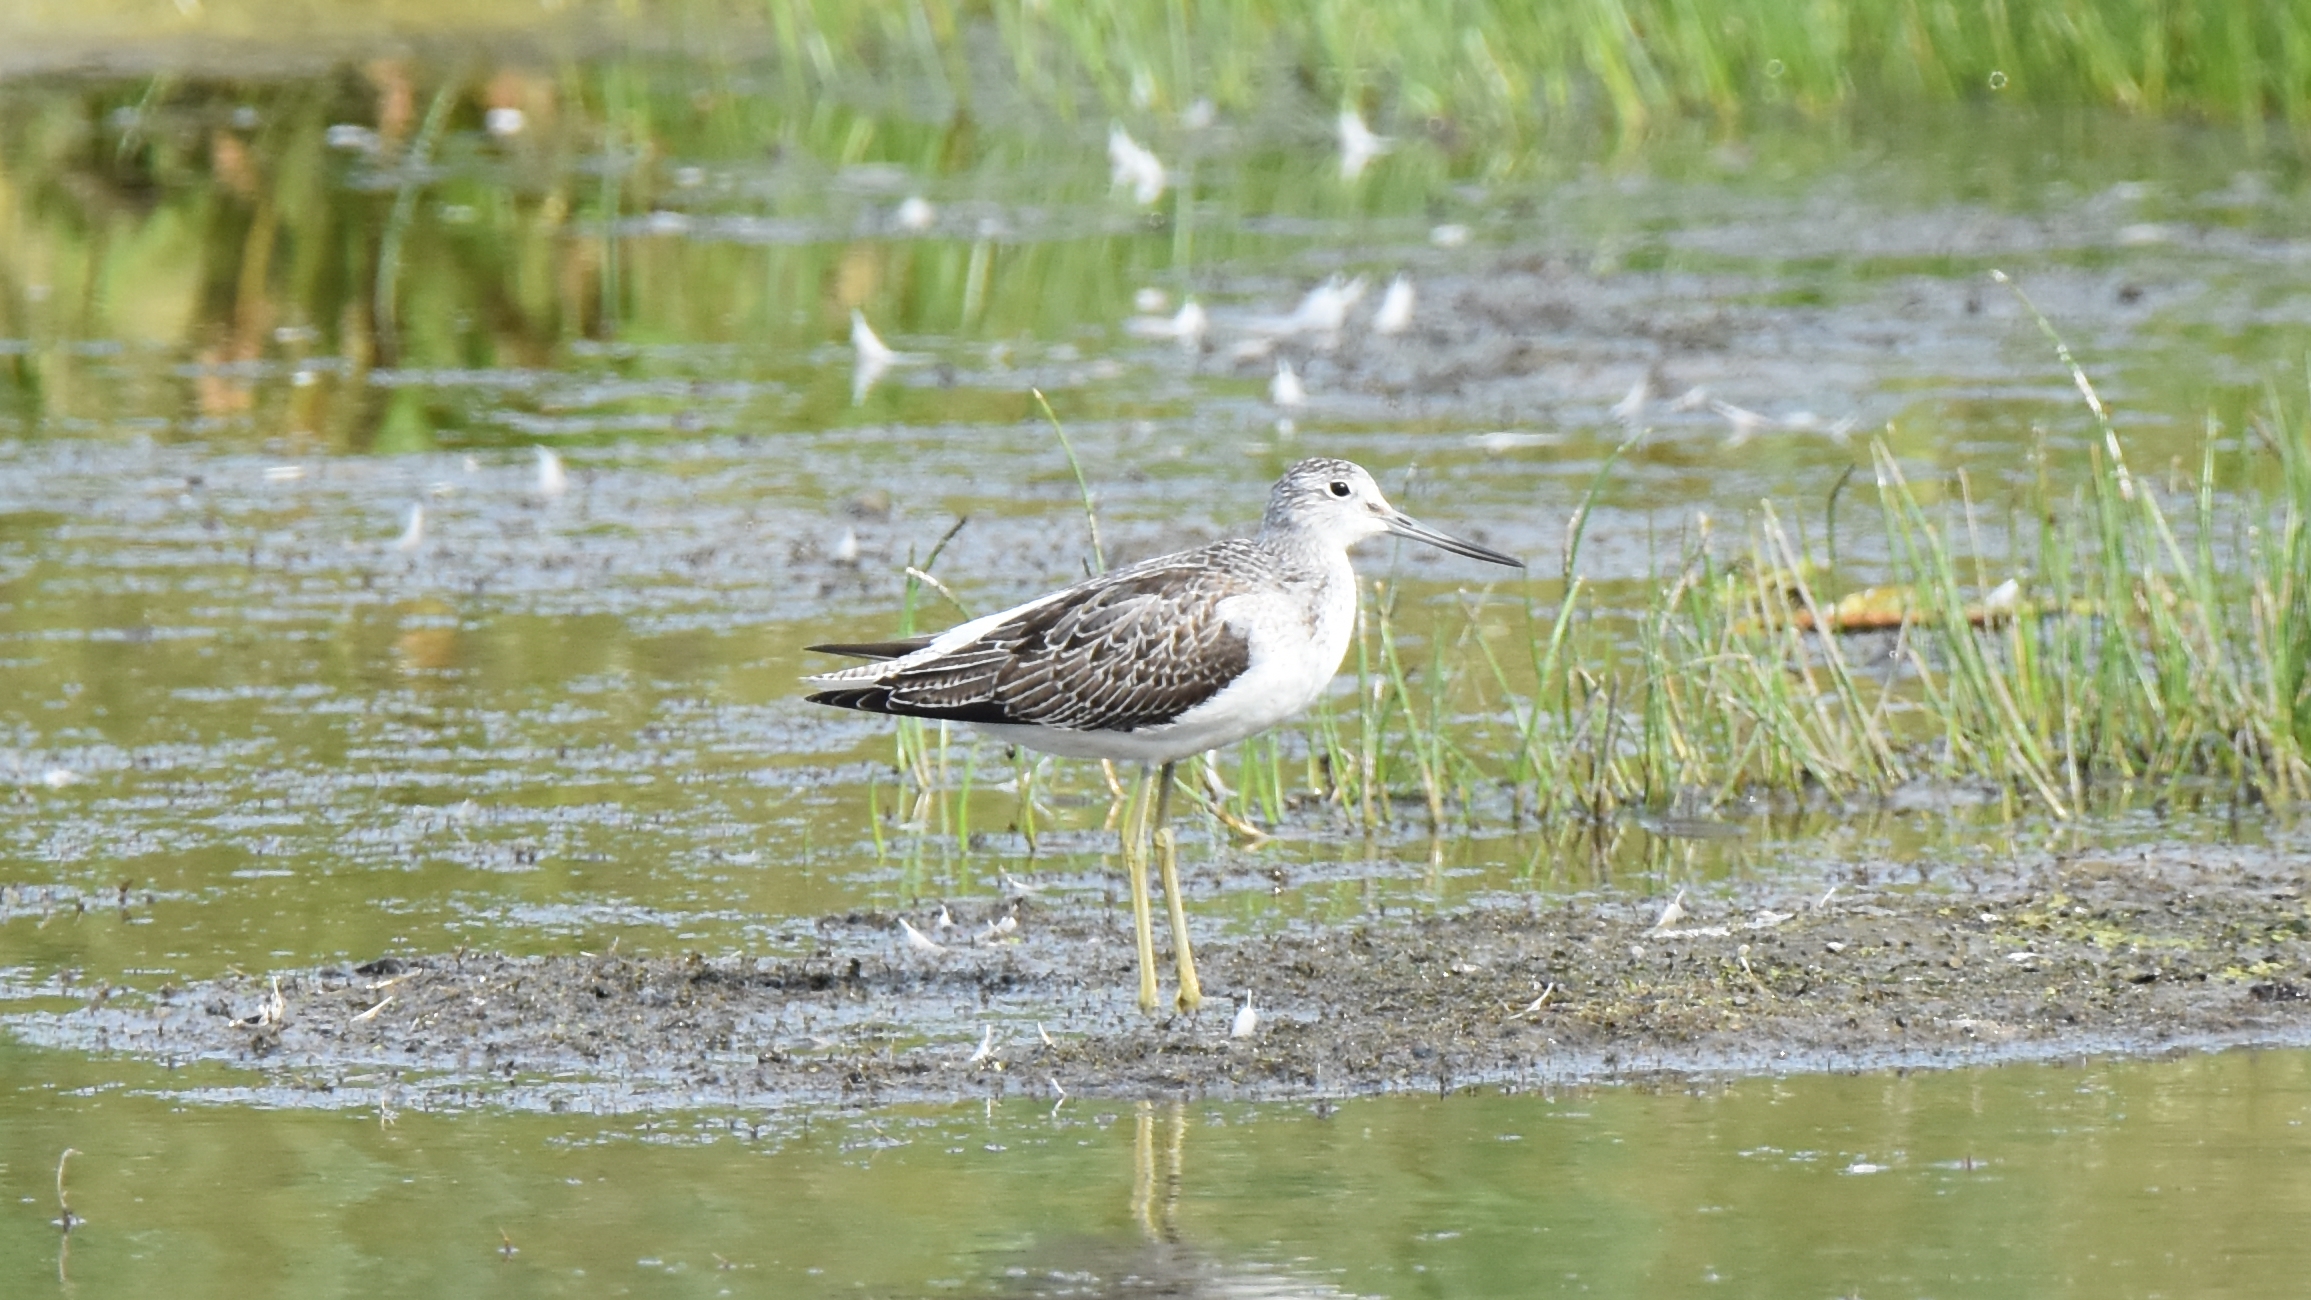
(1471, 65)
(292, 182)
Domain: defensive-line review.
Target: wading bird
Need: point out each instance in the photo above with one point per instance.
(1157, 661)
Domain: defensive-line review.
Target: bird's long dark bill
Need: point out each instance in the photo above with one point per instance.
(1406, 526)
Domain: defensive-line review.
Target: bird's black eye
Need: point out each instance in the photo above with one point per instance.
(1339, 488)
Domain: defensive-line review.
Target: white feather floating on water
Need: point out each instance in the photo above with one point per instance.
(915, 213)
(1394, 315)
(1742, 422)
(919, 941)
(871, 356)
(1632, 403)
(553, 480)
(1247, 1021)
(1130, 163)
(1671, 914)
(1326, 307)
(1188, 325)
(1358, 145)
(412, 535)
(866, 344)
(1285, 389)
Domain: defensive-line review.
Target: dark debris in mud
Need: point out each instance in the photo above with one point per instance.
(2140, 953)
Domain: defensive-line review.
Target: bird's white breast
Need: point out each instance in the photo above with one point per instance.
(1298, 639)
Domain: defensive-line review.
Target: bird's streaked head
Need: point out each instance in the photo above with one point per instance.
(1335, 502)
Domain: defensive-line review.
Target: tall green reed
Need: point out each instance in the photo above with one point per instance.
(1452, 66)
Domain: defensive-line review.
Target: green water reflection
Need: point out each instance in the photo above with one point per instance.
(357, 262)
(2183, 1177)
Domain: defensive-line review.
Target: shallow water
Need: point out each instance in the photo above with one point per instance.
(2181, 1177)
(243, 725)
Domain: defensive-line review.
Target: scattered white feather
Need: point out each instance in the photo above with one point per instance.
(866, 344)
(1745, 422)
(1285, 389)
(1188, 325)
(847, 547)
(1632, 403)
(945, 920)
(1130, 163)
(915, 213)
(1671, 914)
(872, 357)
(1150, 301)
(2004, 597)
(413, 535)
(1358, 145)
(986, 1047)
(1451, 234)
(1325, 308)
(56, 778)
(504, 122)
(1395, 313)
(1500, 442)
(1247, 1020)
(553, 480)
(917, 940)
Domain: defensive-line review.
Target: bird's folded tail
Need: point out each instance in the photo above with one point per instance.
(874, 649)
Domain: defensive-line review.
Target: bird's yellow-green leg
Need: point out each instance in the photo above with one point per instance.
(1167, 851)
(1142, 920)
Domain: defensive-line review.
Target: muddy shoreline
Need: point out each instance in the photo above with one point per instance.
(2139, 953)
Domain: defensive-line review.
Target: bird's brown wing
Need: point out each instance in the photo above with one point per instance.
(1134, 648)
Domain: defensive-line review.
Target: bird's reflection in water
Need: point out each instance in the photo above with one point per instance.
(1159, 1263)
(1158, 1225)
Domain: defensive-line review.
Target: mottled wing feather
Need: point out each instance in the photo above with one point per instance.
(1134, 648)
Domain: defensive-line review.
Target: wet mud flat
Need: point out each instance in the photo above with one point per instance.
(2141, 952)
